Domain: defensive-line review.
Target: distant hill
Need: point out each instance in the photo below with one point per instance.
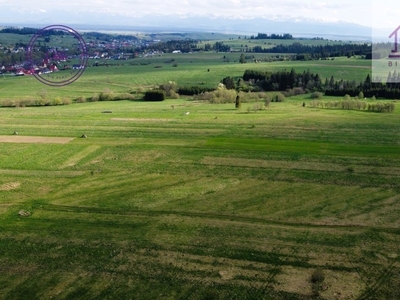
(188, 23)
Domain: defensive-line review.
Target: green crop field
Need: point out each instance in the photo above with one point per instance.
(184, 199)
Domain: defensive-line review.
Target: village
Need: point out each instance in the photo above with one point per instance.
(15, 60)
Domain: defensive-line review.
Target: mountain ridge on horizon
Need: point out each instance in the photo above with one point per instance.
(190, 23)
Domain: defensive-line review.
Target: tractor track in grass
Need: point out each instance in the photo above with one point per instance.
(219, 217)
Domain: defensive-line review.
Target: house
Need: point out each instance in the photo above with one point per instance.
(77, 67)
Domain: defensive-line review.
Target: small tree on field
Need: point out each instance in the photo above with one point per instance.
(238, 102)
(267, 100)
(155, 95)
(229, 83)
(242, 59)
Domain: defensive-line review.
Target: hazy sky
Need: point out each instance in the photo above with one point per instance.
(379, 13)
(357, 11)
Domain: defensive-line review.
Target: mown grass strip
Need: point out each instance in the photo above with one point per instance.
(304, 147)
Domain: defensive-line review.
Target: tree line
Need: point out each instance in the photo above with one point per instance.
(308, 52)
(283, 80)
(173, 45)
(31, 31)
(312, 82)
(273, 36)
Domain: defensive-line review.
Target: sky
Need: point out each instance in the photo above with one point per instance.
(356, 11)
(380, 14)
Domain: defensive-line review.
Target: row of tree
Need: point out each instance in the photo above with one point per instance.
(31, 31)
(307, 52)
(172, 45)
(349, 104)
(273, 36)
(283, 80)
(310, 82)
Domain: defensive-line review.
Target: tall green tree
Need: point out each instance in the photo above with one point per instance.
(242, 59)
(238, 103)
(229, 83)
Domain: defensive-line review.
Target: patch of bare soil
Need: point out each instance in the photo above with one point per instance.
(9, 186)
(33, 139)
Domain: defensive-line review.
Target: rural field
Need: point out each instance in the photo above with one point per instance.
(184, 199)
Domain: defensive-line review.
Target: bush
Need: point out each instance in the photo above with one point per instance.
(317, 278)
(317, 95)
(95, 98)
(7, 103)
(106, 95)
(251, 97)
(174, 95)
(57, 101)
(279, 97)
(81, 99)
(155, 95)
(193, 90)
(123, 96)
(25, 103)
(170, 88)
(66, 101)
(221, 95)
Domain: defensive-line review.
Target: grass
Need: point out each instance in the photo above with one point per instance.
(192, 69)
(155, 204)
(216, 204)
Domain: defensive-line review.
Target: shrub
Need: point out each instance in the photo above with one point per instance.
(317, 95)
(174, 95)
(57, 101)
(193, 90)
(249, 96)
(124, 96)
(81, 99)
(298, 91)
(279, 97)
(317, 278)
(24, 103)
(95, 98)
(7, 103)
(221, 95)
(66, 101)
(154, 95)
(106, 95)
(170, 88)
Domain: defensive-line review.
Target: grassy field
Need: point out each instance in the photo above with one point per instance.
(216, 204)
(183, 199)
(205, 69)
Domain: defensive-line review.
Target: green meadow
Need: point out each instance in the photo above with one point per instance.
(183, 199)
(204, 69)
